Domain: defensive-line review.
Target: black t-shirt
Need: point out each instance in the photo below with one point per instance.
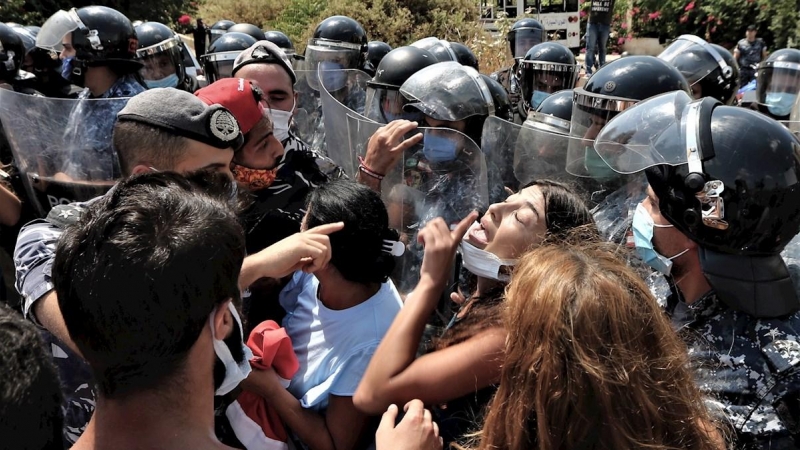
(601, 11)
(750, 53)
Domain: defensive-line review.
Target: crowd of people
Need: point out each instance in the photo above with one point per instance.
(367, 247)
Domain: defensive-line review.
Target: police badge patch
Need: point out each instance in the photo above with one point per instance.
(224, 126)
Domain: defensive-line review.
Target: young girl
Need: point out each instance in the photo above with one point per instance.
(467, 358)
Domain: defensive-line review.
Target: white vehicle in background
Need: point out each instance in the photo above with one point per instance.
(560, 18)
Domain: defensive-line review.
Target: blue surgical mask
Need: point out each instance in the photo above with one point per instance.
(780, 103)
(596, 167)
(66, 67)
(438, 148)
(537, 98)
(74, 71)
(169, 81)
(643, 227)
(333, 76)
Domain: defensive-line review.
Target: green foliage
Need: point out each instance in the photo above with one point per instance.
(37, 11)
(256, 12)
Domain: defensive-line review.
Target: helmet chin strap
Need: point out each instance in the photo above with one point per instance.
(760, 286)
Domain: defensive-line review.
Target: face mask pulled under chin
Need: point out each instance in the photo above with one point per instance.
(235, 372)
(485, 264)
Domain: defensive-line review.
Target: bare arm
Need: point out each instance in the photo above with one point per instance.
(10, 207)
(48, 313)
(385, 148)
(342, 428)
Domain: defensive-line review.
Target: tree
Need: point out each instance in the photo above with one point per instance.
(37, 11)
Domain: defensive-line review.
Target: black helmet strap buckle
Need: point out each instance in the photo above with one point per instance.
(699, 147)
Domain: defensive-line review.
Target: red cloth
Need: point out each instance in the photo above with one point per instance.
(271, 347)
(236, 95)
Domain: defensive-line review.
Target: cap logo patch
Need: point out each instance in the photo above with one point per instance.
(224, 126)
(241, 85)
(610, 86)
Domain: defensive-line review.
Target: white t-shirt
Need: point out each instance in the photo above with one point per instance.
(333, 347)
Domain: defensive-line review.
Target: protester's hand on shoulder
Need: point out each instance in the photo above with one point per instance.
(386, 146)
(416, 431)
(308, 251)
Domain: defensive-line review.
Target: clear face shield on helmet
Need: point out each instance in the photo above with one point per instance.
(590, 113)
(214, 35)
(329, 59)
(777, 87)
(448, 91)
(163, 64)
(525, 39)
(695, 59)
(540, 79)
(60, 24)
(219, 65)
(385, 105)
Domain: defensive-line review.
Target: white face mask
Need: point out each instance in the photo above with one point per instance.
(235, 372)
(280, 122)
(484, 264)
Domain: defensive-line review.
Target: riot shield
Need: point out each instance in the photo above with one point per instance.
(342, 96)
(443, 176)
(308, 111)
(62, 147)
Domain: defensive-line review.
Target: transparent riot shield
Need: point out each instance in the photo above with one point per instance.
(443, 176)
(62, 147)
(342, 96)
(308, 112)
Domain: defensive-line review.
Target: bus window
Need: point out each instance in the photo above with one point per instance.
(572, 5)
(552, 6)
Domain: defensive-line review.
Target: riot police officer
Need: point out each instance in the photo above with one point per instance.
(778, 83)
(12, 53)
(376, 50)
(218, 62)
(524, 34)
(384, 102)
(98, 48)
(718, 212)
(541, 152)
(248, 29)
(338, 43)
(439, 48)
(160, 52)
(546, 68)
(464, 55)
(219, 28)
(710, 69)
(282, 41)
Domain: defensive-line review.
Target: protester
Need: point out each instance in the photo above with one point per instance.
(735, 299)
(416, 430)
(466, 361)
(163, 256)
(336, 318)
(597, 30)
(591, 361)
(30, 395)
(749, 53)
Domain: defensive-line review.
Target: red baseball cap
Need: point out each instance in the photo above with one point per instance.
(237, 96)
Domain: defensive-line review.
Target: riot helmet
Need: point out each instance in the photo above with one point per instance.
(502, 104)
(160, 52)
(707, 69)
(248, 29)
(29, 43)
(281, 40)
(464, 55)
(547, 68)
(100, 36)
(715, 183)
(450, 92)
(218, 29)
(613, 88)
(384, 101)
(524, 34)
(439, 48)
(33, 29)
(376, 50)
(12, 52)
(338, 43)
(778, 82)
(136, 23)
(218, 62)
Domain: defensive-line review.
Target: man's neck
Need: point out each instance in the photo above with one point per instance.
(337, 294)
(99, 80)
(153, 420)
(751, 40)
(689, 277)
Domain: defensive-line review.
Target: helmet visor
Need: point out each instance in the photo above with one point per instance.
(777, 87)
(694, 58)
(660, 130)
(385, 105)
(525, 38)
(331, 59)
(219, 65)
(57, 26)
(447, 91)
(540, 78)
(161, 62)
